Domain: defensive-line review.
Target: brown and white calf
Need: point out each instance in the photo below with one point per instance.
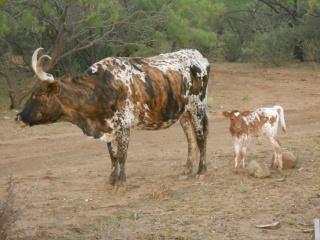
(261, 121)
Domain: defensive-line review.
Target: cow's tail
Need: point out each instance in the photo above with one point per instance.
(205, 80)
(202, 76)
(281, 114)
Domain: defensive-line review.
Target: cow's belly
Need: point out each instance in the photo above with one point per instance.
(155, 121)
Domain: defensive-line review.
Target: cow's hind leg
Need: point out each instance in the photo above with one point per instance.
(193, 150)
(200, 122)
(202, 134)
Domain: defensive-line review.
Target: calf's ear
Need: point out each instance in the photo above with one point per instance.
(55, 87)
(245, 113)
(226, 113)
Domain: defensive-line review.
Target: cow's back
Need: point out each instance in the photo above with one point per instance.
(263, 121)
(157, 88)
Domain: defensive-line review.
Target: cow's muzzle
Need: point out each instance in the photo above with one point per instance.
(20, 122)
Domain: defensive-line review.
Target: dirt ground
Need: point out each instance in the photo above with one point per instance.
(68, 171)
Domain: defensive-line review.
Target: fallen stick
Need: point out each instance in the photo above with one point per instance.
(274, 225)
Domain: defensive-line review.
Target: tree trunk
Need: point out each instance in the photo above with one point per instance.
(298, 51)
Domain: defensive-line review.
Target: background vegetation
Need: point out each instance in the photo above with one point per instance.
(78, 33)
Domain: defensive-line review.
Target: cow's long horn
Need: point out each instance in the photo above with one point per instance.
(37, 66)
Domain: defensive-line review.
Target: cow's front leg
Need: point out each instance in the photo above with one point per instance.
(118, 149)
(112, 147)
(123, 138)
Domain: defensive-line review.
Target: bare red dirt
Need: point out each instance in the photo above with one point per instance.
(69, 171)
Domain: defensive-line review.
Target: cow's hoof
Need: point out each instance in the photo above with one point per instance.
(119, 189)
(200, 177)
(108, 187)
(183, 177)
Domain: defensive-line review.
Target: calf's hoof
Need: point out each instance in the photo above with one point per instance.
(237, 170)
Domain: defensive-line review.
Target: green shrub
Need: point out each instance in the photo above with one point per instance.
(232, 49)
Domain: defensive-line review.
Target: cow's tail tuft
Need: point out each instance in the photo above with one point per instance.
(281, 113)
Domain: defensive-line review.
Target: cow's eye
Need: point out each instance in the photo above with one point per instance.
(35, 96)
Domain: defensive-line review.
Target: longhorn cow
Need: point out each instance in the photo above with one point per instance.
(120, 93)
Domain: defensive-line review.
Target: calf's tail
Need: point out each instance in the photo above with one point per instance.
(281, 113)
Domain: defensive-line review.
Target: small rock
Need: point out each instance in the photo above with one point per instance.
(289, 160)
(258, 169)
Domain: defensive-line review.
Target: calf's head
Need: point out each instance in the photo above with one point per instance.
(43, 106)
(236, 119)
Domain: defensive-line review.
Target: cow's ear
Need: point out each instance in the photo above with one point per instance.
(55, 88)
(245, 113)
(226, 113)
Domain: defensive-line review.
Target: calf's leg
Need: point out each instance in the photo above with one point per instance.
(240, 150)
(237, 149)
(276, 144)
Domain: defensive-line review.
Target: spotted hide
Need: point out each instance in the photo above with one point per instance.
(117, 94)
(261, 121)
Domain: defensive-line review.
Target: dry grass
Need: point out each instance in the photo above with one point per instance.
(161, 189)
(9, 213)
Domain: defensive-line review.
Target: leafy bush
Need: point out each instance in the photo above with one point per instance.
(232, 49)
(269, 49)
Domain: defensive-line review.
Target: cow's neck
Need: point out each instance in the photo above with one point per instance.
(81, 107)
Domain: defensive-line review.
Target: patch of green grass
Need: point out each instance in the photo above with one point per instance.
(245, 98)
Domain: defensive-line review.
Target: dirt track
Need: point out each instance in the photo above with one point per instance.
(70, 171)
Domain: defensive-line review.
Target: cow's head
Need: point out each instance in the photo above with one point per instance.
(43, 106)
(236, 119)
